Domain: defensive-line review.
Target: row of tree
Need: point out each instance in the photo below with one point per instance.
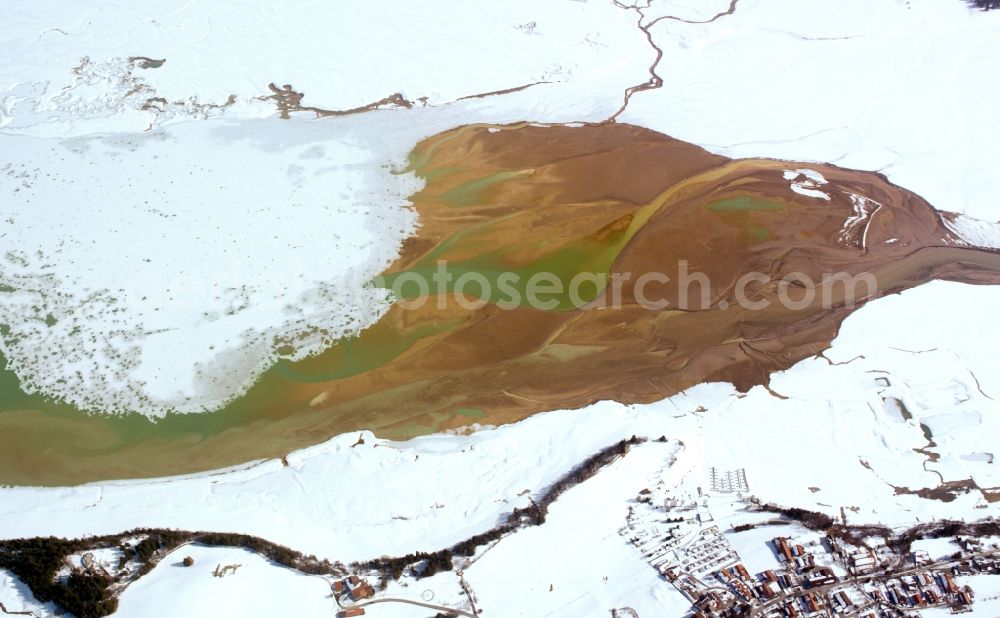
(900, 542)
(424, 564)
(536, 512)
(36, 561)
(87, 593)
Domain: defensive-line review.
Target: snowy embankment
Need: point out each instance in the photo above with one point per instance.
(16, 597)
(254, 588)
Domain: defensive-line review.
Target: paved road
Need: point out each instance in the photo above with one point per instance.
(439, 608)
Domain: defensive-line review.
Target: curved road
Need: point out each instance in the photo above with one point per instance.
(440, 608)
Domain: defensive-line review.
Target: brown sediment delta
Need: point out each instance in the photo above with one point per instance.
(723, 218)
(601, 198)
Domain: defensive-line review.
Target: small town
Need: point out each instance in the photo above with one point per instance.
(692, 543)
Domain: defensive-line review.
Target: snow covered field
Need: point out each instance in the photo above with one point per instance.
(342, 56)
(894, 85)
(16, 597)
(577, 564)
(256, 588)
(131, 282)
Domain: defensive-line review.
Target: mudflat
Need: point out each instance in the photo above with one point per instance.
(688, 267)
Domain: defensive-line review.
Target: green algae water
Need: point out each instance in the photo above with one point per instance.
(745, 203)
(49, 426)
(470, 192)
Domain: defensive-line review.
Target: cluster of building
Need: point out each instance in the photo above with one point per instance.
(353, 588)
(678, 536)
(797, 588)
(921, 590)
(820, 576)
(683, 542)
(871, 584)
(921, 582)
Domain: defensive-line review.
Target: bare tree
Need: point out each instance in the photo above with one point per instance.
(986, 4)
